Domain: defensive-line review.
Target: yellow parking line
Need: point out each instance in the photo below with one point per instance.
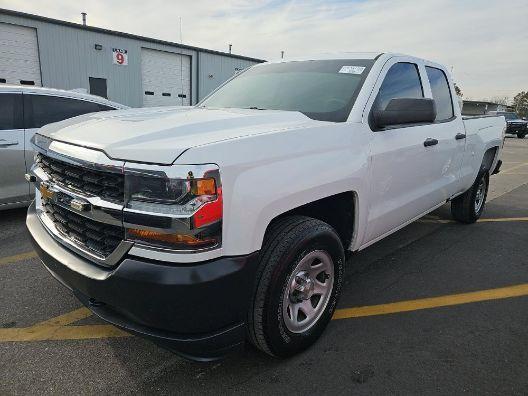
(57, 329)
(501, 219)
(488, 220)
(61, 333)
(507, 171)
(65, 319)
(17, 257)
(433, 302)
(87, 332)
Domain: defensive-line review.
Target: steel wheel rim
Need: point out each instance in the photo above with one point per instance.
(479, 198)
(308, 291)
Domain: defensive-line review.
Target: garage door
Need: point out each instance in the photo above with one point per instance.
(166, 78)
(19, 57)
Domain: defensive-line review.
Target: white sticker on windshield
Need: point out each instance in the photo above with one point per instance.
(352, 69)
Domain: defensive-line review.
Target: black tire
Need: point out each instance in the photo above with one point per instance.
(521, 135)
(464, 208)
(286, 243)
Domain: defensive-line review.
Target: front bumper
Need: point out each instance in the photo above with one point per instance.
(197, 310)
(516, 128)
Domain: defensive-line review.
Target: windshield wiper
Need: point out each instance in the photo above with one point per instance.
(253, 108)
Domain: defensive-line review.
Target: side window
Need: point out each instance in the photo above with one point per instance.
(441, 93)
(402, 81)
(41, 109)
(10, 111)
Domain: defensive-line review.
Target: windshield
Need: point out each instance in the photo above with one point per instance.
(323, 90)
(510, 116)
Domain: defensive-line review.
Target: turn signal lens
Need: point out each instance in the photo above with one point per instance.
(170, 239)
(203, 187)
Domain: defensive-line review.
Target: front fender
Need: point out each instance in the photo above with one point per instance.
(267, 175)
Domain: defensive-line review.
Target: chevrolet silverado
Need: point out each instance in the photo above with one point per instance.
(204, 227)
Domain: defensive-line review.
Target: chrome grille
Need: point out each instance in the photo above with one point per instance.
(106, 185)
(102, 239)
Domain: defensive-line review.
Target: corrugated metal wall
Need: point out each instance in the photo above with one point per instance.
(215, 69)
(68, 58)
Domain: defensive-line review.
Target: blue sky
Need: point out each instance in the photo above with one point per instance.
(485, 42)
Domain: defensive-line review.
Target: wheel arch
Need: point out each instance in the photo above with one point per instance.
(339, 210)
(489, 159)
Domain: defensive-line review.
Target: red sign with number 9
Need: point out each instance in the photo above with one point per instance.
(120, 56)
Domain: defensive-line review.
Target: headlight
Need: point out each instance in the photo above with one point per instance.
(177, 207)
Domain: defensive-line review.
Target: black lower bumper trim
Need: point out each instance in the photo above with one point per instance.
(205, 347)
(197, 310)
(497, 167)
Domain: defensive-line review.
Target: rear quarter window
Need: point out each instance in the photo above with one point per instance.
(441, 93)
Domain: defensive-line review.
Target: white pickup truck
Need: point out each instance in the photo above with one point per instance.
(205, 226)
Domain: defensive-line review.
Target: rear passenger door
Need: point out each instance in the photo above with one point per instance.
(402, 170)
(13, 186)
(40, 110)
(448, 129)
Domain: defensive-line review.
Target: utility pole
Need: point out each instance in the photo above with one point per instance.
(282, 54)
(230, 45)
(181, 34)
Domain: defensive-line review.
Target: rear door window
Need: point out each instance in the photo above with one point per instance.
(10, 111)
(441, 93)
(402, 81)
(42, 109)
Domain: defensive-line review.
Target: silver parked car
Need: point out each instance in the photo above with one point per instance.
(23, 110)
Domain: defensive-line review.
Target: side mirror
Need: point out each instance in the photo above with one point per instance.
(401, 111)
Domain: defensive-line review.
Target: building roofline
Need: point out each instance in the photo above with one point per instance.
(122, 34)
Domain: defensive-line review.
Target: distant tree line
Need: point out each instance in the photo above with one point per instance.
(520, 104)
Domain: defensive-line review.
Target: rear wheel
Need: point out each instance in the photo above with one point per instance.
(468, 207)
(299, 282)
(521, 135)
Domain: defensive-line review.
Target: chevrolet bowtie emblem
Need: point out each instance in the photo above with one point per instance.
(79, 205)
(45, 191)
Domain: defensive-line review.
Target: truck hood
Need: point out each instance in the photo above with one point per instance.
(160, 135)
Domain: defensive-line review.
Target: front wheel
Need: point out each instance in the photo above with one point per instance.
(468, 207)
(298, 285)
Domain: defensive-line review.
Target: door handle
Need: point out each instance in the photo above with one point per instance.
(430, 142)
(4, 143)
(460, 136)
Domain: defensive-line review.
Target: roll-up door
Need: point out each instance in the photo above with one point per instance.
(166, 78)
(19, 56)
